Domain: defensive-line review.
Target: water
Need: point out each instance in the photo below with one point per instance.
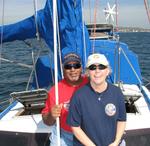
(15, 78)
(140, 44)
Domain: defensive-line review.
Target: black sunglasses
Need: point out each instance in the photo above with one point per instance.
(94, 67)
(74, 65)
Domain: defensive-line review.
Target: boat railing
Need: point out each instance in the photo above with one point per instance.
(4, 103)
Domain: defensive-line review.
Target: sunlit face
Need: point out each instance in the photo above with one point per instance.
(73, 74)
(98, 75)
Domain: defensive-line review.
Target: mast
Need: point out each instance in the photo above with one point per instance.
(56, 66)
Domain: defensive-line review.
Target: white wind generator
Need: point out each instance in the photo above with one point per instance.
(109, 13)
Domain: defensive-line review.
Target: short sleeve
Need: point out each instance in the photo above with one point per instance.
(122, 108)
(74, 116)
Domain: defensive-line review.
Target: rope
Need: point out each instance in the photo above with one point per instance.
(94, 29)
(1, 46)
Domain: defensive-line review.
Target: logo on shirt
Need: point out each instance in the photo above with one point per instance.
(66, 105)
(110, 109)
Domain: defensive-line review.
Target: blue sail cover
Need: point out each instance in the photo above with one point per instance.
(71, 40)
(70, 26)
(129, 70)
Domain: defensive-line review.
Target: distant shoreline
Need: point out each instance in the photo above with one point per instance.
(132, 29)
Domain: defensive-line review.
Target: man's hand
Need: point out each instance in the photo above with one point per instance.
(50, 118)
(56, 111)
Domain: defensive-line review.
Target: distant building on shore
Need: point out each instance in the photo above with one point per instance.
(132, 29)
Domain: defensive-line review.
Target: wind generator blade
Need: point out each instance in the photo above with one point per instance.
(113, 7)
(112, 17)
(108, 6)
(107, 17)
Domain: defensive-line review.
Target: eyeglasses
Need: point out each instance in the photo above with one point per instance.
(70, 66)
(94, 67)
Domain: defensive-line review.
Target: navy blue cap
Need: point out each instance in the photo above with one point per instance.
(71, 57)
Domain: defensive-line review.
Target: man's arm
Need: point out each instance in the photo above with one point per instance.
(50, 117)
(82, 137)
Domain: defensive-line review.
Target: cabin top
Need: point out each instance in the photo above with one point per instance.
(100, 31)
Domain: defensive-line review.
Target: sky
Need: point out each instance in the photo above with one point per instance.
(131, 13)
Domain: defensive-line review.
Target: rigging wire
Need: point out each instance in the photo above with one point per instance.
(131, 66)
(90, 11)
(147, 9)
(116, 1)
(1, 43)
(59, 50)
(17, 63)
(33, 70)
(147, 80)
(34, 59)
(36, 19)
(35, 73)
(117, 61)
(83, 32)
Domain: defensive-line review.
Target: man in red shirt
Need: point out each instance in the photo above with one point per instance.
(72, 81)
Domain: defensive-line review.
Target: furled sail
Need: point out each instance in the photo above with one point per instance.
(70, 26)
